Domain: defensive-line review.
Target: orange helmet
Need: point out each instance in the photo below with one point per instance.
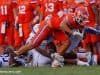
(81, 15)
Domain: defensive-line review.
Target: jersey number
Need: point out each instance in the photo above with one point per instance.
(3, 10)
(49, 7)
(22, 9)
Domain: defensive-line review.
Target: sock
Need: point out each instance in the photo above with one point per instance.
(81, 63)
(94, 59)
(88, 56)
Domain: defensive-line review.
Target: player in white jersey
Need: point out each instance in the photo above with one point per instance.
(4, 60)
(39, 59)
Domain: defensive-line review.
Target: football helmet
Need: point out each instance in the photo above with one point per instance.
(81, 15)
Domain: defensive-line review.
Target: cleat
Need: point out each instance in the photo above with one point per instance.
(57, 60)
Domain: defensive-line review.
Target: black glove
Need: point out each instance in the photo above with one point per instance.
(7, 24)
(17, 26)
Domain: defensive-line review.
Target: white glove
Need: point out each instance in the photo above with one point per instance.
(77, 33)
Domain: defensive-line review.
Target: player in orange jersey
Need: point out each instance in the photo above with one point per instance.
(6, 22)
(25, 9)
(49, 7)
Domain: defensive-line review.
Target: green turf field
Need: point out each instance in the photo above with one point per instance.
(67, 70)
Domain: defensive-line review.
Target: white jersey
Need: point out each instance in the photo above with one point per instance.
(38, 59)
(4, 60)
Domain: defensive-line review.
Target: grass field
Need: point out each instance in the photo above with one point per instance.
(67, 70)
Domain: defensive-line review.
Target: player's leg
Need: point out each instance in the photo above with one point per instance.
(94, 48)
(38, 38)
(10, 35)
(17, 39)
(74, 43)
(2, 34)
(26, 31)
(87, 45)
(64, 42)
(61, 48)
(98, 47)
(72, 58)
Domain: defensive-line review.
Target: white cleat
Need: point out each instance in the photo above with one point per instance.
(81, 63)
(58, 60)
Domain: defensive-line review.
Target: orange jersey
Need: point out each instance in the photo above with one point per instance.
(40, 1)
(50, 7)
(69, 7)
(56, 21)
(91, 1)
(6, 10)
(25, 10)
(91, 16)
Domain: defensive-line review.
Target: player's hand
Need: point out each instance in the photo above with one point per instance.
(16, 26)
(77, 33)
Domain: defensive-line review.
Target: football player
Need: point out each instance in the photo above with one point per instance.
(6, 22)
(25, 14)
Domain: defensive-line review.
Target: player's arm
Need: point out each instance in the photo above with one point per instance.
(15, 10)
(40, 13)
(15, 13)
(64, 27)
(49, 49)
(36, 19)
